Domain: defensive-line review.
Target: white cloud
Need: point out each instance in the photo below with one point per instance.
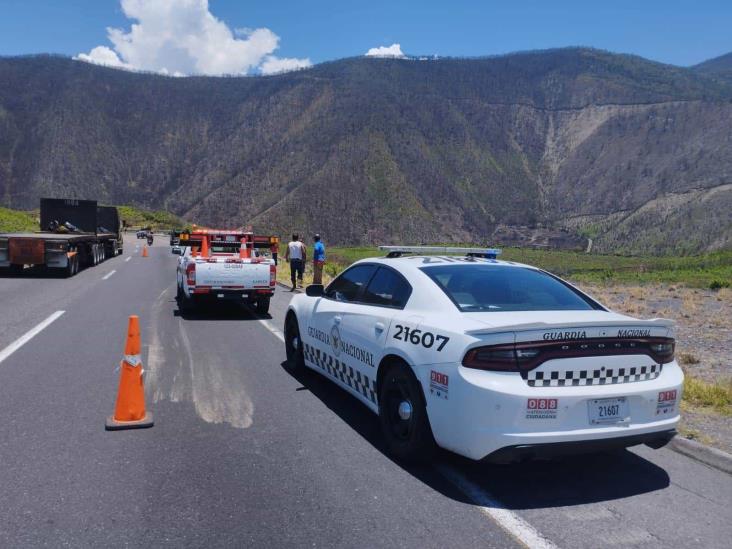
(182, 37)
(274, 65)
(395, 50)
(102, 55)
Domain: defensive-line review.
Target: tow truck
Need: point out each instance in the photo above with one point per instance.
(219, 266)
(73, 234)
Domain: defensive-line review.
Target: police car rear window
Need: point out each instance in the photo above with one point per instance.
(486, 288)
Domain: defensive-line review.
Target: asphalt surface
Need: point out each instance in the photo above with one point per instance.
(243, 454)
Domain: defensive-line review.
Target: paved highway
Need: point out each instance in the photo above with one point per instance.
(244, 454)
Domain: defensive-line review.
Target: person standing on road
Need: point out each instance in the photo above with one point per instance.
(296, 255)
(318, 260)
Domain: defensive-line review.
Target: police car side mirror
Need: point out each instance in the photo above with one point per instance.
(315, 290)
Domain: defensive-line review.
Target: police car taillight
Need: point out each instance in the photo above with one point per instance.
(191, 274)
(522, 357)
(496, 358)
(663, 351)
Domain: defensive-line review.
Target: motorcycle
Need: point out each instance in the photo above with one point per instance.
(149, 240)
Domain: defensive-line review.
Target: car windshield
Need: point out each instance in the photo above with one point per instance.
(483, 287)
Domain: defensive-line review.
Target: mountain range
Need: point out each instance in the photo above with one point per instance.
(547, 148)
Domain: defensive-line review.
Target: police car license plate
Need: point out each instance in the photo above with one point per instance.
(605, 411)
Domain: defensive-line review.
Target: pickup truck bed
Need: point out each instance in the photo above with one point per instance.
(225, 279)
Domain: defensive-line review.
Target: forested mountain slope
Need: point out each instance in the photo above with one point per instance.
(635, 154)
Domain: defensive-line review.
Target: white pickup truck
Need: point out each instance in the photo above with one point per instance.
(219, 266)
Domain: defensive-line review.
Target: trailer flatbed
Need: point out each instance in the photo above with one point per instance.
(79, 234)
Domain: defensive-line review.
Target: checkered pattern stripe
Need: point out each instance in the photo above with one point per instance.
(602, 376)
(339, 370)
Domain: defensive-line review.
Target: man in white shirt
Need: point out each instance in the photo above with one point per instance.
(296, 255)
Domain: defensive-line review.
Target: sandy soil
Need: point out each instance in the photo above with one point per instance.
(703, 341)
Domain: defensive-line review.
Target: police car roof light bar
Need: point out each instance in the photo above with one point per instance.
(398, 251)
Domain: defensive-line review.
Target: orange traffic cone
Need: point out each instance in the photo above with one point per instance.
(244, 250)
(144, 251)
(204, 247)
(129, 411)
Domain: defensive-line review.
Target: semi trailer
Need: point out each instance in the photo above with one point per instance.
(73, 234)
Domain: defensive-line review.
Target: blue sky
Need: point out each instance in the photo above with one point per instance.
(312, 31)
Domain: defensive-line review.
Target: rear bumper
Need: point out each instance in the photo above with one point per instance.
(523, 452)
(484, 412)
(51, 259)
(229, 295)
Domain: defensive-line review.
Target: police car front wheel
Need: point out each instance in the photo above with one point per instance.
(403, 415)
(293, 346)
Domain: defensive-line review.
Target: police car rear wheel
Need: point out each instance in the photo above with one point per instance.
(293, 346)
(403, 416)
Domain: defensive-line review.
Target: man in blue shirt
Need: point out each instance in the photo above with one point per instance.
(318, 260)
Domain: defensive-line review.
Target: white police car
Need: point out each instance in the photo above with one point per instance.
(490, 359)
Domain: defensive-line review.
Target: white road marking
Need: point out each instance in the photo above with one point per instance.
(30, 334)
(110, 273)
(126, 260)
(491, 507)
(271, 328)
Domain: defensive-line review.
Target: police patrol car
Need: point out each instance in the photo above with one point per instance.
(486, 358)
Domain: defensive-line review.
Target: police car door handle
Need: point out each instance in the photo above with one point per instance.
(337, 319)
(379, 327)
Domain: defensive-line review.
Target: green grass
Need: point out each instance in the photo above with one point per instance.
(713, 396)
(700, 271)
(138, 217)
(14, 221)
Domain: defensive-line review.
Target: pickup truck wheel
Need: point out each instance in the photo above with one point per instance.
(186, 304)
(293, 346)
(262, 306)
(403, 416)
